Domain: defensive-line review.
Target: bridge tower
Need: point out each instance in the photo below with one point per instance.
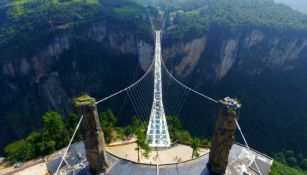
(223, 136)
(94, 142)
(157, 133)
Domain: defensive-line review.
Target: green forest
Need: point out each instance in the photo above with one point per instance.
(235, 14)
(56, 135)
(19, 17)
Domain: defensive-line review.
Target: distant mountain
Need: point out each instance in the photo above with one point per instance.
(300, 5)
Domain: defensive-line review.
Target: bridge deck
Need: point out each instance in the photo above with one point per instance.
(157, 132)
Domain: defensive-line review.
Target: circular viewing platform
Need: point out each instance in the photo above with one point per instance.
(174, 160)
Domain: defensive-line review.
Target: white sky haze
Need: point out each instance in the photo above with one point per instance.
(300, 5)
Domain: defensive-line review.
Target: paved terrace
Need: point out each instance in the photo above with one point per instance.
(175, 154)
(123, 161)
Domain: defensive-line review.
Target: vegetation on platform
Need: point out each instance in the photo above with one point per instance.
(195, 147)
(84, 100)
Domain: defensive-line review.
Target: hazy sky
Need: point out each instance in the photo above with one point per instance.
(300, 5)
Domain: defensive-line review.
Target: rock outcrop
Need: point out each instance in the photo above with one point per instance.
(253, 51)
(94, 142)
(223, 136)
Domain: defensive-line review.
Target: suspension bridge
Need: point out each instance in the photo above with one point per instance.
(158, 93)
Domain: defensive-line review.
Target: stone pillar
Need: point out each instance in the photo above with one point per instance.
(223, 136)
(93, 136)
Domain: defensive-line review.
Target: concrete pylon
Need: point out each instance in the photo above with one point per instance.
(223, 136)
(93, 136)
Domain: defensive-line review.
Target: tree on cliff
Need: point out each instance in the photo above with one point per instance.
(55, 130)
(195, 146)
(142, 144)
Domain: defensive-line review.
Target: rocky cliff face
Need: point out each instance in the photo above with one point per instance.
(41, 66)
(189, 54)
(240, 51)
(244, 50)
(45, 85)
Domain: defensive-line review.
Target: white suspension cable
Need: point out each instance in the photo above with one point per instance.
(145, 102)
(163, 25)
(152, 27)
(170, 92)
(138, 100)
(99, 101)
(125, 99)
(134, 102)
(172, 100)
(145, 90)
(134, 107)
(239, 128)
(149, 96)
(111, 96)
(172, 108)
(122, 106)
(209, 98)
(72, 138)
(182, 103)
(167, 97)
(176, 98)
(148, 86)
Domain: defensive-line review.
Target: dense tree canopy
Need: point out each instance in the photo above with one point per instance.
(54, 136)
(54, 129)
(44, 18)
(292, 159)
(20, 150)
(282, 169)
